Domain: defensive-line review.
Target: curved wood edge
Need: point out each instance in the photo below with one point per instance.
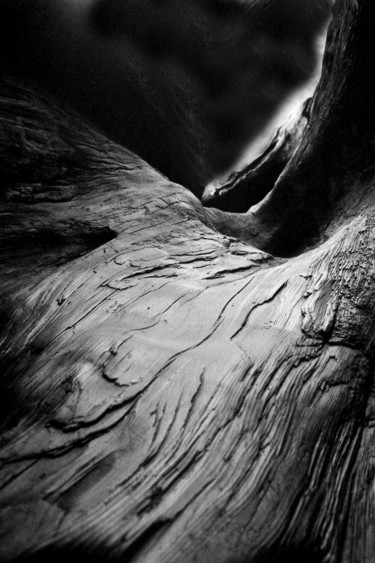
(249, 186)
(329, 177)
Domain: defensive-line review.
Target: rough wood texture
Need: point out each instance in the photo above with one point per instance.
(170, 393)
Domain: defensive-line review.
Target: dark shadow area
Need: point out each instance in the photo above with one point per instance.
(97, 554)
(242, 61)
(291, 555)
(185, 84)
(87, 555)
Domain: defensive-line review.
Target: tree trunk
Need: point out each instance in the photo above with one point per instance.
(170, 392)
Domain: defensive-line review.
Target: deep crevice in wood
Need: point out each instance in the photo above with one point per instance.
(331, 173)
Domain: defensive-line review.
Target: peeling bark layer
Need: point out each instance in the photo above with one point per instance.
(170, 393)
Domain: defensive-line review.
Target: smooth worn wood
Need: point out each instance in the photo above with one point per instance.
(247, 187)
(169, 392)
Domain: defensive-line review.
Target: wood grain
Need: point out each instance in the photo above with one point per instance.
(169, 392)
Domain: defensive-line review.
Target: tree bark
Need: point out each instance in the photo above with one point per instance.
(169, 391)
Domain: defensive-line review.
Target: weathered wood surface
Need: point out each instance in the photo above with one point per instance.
(170, 393)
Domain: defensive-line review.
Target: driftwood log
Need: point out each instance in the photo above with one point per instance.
(182, 383)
